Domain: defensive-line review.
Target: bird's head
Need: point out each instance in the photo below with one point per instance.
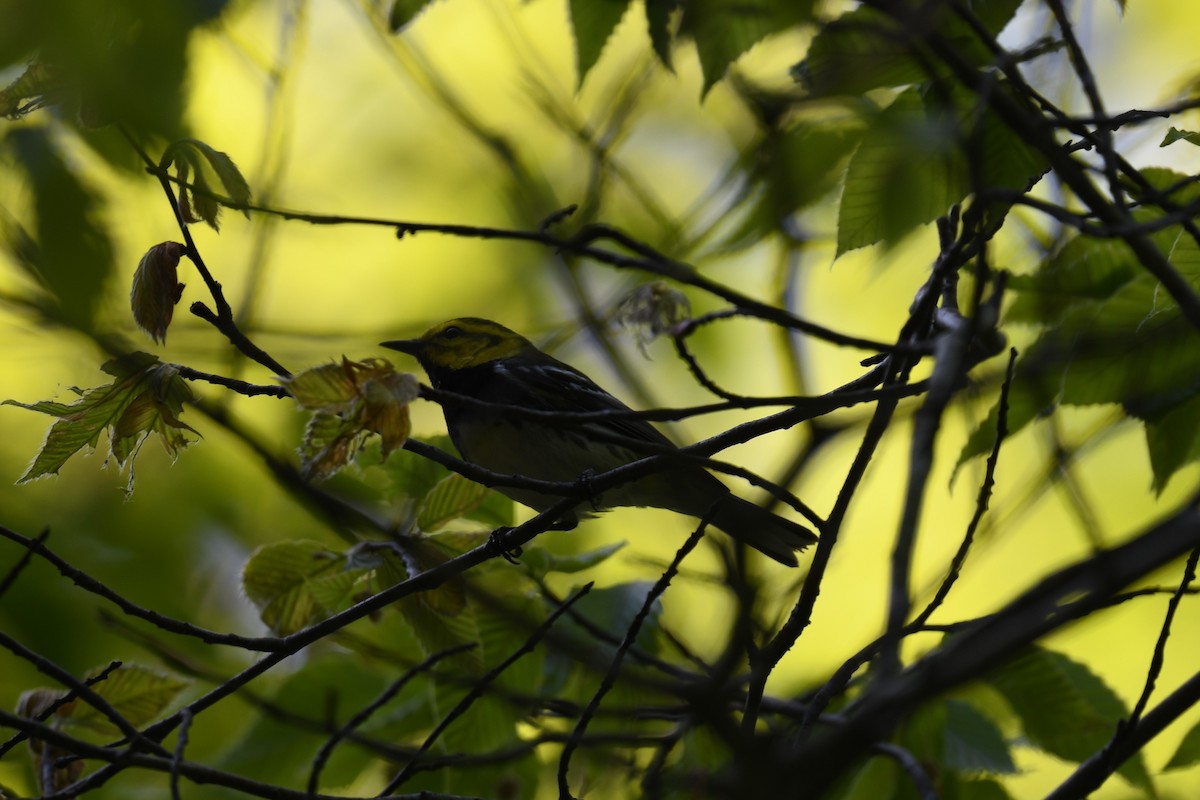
(461, 344)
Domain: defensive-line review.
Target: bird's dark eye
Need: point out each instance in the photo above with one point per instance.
(453, 332)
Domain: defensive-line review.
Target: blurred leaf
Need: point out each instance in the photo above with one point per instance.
(1173, 440)
(137, 693)
(1065, 708)
(74, 255)
(540, 562)
(452, 497)
(724, 29)
(658, 24)
(156, 289)
(1082, 269)
(1176, 134)
(866, 49)
(1188, 752)
(403, 12)
(291, 583)
(593, 22)
(973, 743)
(146, 397)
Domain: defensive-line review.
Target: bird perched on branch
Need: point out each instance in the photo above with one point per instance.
(487, 362)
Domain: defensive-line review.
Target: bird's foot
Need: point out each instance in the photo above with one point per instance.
(498, 542)
(584, 482)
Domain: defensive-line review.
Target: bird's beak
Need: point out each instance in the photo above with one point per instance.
(411, 346)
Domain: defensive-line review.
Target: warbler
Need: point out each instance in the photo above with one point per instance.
(488, 362)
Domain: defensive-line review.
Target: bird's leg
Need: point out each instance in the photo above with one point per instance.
(584, 482)
(498, 542)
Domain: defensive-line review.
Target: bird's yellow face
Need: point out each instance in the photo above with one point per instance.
(463, 343)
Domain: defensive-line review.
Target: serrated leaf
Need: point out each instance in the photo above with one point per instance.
(1188, 752)
(137, 693)
(452, 497)
(658, 25)
(1065, 708)
(865, 49)
(1173, 441)
(725, 29)
(278, 579)
(593, 23)
(350, 400)
(201, 163)
(146, 397)
(907, 171)
(973, 743)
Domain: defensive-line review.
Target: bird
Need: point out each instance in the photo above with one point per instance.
(488, 362)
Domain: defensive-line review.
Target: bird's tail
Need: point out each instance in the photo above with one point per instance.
(767, 533)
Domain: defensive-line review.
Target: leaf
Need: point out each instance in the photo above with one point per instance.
(202, 163)
(351, 400)
(540, 562)
(279, 579)
(973, 743)
(593, 22)
(1177, 134)
(724, 29)
(452, 497)
(403, 12)
(137, 693)
(1065, 708)
(866, 49)
(1188, 752)
(906, 172)
(146, 397)
(156, 289)
(71, 249)
(658, 25)
(1173, 441)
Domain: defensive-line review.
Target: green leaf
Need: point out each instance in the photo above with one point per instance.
(906, 171)
(146, 397)
(279, 579)
(866, 49)
(1177, 134)
(203, 163)
(1082, 269)
(71, 252)
(1065, 708)
(724, 29)
(658, 23)
(452, 497)
(403, 12)
(541, 562)
(1188, 752)
(593, 22)
(137, 693)
(1173, 440)
(973, 743)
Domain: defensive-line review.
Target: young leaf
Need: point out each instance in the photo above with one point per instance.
(973, 743)
(454, 496)
(541, 562)
(1176, 134)
(403, 12)
(156, 289)
(658, 23)
(146, 397)
(351, 400)
(202, 163)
